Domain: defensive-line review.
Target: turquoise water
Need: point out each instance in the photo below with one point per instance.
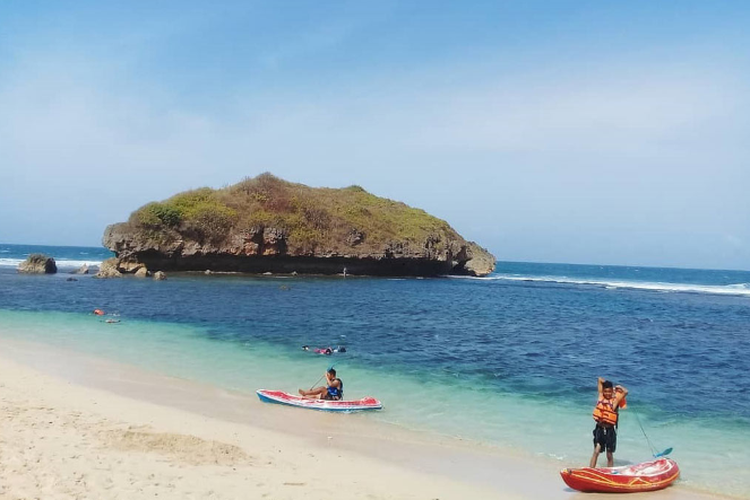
(557, 430)
(511, 360)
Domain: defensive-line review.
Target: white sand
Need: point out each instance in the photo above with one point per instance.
(76, 427)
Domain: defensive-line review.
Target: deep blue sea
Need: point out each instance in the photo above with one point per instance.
(510, 360)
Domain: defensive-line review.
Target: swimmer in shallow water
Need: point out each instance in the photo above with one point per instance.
(325, 350)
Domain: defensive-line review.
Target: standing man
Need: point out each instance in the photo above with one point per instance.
(606, 413)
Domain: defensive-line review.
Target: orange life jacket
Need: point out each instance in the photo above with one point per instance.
(605, 412)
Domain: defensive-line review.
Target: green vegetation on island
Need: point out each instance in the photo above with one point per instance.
(311, 217)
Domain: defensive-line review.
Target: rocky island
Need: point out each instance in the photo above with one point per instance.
(266, 224)
(38, 263)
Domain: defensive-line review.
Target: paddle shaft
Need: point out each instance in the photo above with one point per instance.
(316, 382)
(653, 450)
(321, 378)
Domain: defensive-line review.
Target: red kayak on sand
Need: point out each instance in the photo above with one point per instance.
(646, 476)
(366, 403)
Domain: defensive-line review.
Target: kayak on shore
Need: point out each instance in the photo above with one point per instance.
(646, 476)
(280, 397)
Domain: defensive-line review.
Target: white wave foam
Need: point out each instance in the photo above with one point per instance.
(77, 263)
(733, 289)
(10, 262)
(62, 263)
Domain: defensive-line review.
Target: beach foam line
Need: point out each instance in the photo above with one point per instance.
(140, 423)
(62, 263)
(742, 289)
(120, 443)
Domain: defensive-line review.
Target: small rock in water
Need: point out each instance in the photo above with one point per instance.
(84, 269)
(38, 263)
(160, 275)
(108, 269)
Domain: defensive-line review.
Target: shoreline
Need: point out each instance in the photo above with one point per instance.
(370, 455)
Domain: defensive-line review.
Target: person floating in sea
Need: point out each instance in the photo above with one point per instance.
(325, 350)
(606, 413)
(333, 391)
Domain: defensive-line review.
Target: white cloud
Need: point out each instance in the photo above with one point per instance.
(617, 149)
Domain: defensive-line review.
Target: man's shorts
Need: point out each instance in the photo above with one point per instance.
(606, 438)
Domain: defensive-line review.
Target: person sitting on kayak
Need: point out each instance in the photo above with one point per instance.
(333, 391)
(606, 414)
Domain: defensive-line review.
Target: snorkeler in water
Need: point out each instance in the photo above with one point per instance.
(327, 351)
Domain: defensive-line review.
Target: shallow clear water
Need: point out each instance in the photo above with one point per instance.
(511, 360)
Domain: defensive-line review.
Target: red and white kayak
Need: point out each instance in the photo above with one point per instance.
(366, 403)
(646, 476)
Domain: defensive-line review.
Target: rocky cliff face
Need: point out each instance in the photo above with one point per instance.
(266, 224)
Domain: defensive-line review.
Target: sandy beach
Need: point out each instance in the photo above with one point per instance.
(73, 426)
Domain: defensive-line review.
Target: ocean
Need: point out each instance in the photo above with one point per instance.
(510, 360)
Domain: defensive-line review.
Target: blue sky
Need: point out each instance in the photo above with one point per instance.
(558, 131)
